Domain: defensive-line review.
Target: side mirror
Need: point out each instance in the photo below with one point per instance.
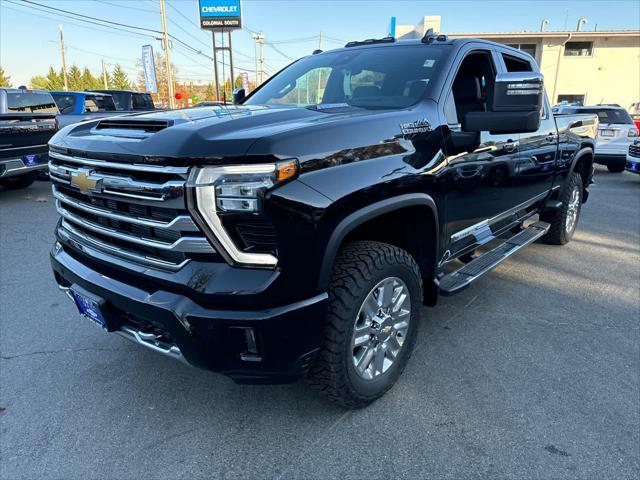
(238, 95)
(517, 103)
(518, 92)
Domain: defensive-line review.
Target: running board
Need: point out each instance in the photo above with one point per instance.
(456, 281)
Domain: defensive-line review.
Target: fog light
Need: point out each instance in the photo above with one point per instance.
(249, 351)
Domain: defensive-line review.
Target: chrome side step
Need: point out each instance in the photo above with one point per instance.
(456, 281)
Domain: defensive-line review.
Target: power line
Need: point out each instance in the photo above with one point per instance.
(128, 7)
(91, 18)
(75, 20)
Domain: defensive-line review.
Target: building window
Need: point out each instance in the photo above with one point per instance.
(571, 99)
(529, 48)
(578, 49)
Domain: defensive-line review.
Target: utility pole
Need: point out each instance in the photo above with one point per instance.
(104, 76)
(167, 57)
(259, 39)
(64, 62)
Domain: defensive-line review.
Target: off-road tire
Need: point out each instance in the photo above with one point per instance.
(615, 168)
(18, 182)
(358, 268)
(557, 234)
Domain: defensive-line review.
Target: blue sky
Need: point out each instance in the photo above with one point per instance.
(29, 38)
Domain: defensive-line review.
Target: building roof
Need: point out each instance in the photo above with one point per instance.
(549, 34)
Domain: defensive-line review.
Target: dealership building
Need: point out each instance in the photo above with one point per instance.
(587, 67)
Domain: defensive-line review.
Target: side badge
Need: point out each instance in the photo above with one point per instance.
(412, 128)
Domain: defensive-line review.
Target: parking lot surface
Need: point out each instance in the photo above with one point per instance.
(533, 372)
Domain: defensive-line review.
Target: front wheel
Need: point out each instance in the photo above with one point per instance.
(374, 309)
(565, 220)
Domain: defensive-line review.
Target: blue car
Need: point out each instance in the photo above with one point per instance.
(80, 106)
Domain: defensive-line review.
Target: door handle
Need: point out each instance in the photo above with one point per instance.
(551, 137)
(510, 147)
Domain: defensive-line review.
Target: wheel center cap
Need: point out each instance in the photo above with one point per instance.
(383, 326)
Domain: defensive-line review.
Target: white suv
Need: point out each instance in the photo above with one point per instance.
(615, 133)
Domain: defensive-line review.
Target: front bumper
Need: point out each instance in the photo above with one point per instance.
(287, 337)
(12, 167)
(618, 159)
(633, 164)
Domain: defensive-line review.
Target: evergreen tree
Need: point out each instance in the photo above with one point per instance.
(54, 80)
(89, 81)
(119, 79)
(38, 83)
(74, 78)
(5, 80)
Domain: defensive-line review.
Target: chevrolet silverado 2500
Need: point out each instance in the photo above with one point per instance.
(300, 232)
(27, 123)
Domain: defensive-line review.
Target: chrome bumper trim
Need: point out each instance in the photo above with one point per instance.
(15, 166)
(148, 340)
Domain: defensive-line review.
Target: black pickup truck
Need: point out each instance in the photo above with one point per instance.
(300, 232)
(27, 123)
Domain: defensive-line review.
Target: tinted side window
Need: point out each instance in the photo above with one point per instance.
(515, 64)
(30, 102)
(66, 103)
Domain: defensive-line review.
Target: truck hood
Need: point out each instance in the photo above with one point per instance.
(216, 134)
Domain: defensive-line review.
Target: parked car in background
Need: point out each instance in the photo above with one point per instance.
(130, 99)
(27, 122)
(615, 133)
(633, 157)
(300, 232)
(80, 106)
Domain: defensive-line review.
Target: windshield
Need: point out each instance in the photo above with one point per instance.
(394, 77)
(605, 115)
(30, 102)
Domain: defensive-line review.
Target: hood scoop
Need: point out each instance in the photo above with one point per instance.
(130, 124)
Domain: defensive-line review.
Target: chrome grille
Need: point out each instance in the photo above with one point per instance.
(137, 212)
(634, 150)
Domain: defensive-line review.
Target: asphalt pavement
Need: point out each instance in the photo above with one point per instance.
(533, 372)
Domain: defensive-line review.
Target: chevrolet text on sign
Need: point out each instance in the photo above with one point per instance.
(220, 14)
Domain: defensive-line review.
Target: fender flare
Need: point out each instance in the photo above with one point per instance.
(579, 154)
(363, 215)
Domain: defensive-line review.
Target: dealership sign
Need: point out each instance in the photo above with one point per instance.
(149, 69)
(220, 14)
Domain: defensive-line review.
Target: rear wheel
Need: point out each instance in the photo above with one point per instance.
(18, 182)
(615, 168)
(565, 220)
(374, 310)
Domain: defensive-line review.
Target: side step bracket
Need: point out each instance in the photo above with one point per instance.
(456, 281)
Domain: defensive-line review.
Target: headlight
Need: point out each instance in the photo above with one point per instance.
(237, 189)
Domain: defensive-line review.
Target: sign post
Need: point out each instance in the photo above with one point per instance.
(220, 16)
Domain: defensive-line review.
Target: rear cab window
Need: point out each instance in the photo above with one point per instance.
(98, 103)
(141, 100)
(66, 103)
(30, 102)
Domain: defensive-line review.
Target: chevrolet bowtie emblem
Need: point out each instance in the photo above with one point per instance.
(83, 180)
